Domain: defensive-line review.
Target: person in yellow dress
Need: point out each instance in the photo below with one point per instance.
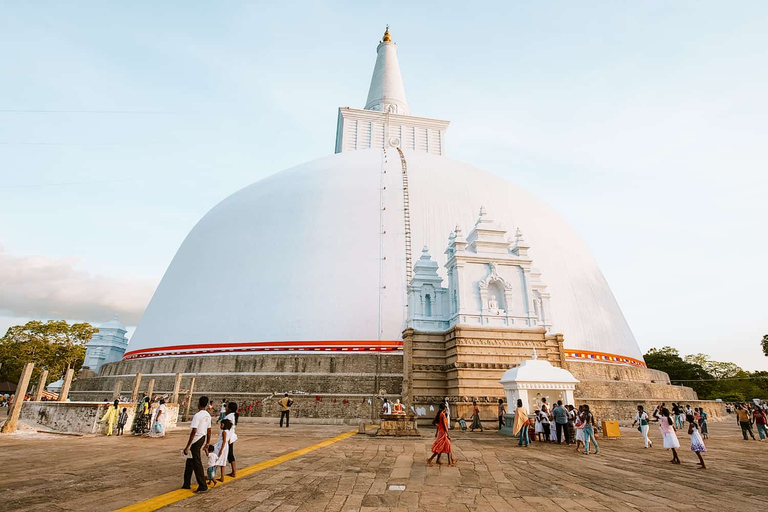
(111, 416)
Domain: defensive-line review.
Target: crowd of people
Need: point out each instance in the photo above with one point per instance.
(150, 417)
(576, 426)
(560, 424)
(751, 414)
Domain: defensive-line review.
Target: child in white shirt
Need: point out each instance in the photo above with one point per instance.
(212, 459)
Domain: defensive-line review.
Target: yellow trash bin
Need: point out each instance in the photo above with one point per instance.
(611, 429)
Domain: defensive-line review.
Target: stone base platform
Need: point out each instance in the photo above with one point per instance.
(399, 425)
(334, 386)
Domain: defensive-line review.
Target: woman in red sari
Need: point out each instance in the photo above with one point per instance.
(443, 442)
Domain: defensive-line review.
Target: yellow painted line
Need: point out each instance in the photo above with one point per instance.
(169, 498)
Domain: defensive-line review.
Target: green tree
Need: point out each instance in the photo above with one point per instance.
(710, 379)
(680, 371)
(732, 396)
(717, 369)
(764, 344)
(54, 345)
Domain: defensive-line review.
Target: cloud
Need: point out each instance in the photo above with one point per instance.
(42, 287)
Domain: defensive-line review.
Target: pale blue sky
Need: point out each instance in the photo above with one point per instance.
(643, 124)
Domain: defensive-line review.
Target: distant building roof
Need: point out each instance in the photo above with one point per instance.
(113, 324)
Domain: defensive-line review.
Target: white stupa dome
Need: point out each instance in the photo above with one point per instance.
(316, 253)
(314, 258)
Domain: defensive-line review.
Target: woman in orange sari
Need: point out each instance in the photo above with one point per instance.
(443, 442)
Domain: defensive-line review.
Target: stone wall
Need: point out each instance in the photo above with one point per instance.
(587, 390)
(80, 417)
(334, 385)
(335, 408)
(586, 371)
(298, 363)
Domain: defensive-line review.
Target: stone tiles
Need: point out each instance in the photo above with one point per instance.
(99, 473)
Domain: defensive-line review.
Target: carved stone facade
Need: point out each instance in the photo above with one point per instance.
(466, 362)
(462, 338)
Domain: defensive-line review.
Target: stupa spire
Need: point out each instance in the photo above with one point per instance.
(387, 93)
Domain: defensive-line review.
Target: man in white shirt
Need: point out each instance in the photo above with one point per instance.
(199, 439)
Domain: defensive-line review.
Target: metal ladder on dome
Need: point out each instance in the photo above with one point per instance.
(407, 218)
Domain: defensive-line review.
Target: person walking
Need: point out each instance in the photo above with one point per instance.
(212, 459)
(759, 417)
(232, 416)
(141, 419)
(589, 430)
(552, 429)
(121, 421)
(744, 420)
(643, 425)
(561, 422)
(677, 409)
(579, 426)
(697, 444)
(571, 426)
(110, 416)
(538, 431)
(442, 442)
(447, 412)
(502, 412)
(159, 420)
(521, 424)
(544, 419)
(223, 410)
(199, 439)
(285, 410)
(675, 412)
(221, 448)
(703, 424)
(475, 418)
(667, 428)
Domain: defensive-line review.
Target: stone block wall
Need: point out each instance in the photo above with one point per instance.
(591, 371)
(332, 385)
(80, 417)
(335, 408)
(633, 391)
(467, 362)
(308, 362)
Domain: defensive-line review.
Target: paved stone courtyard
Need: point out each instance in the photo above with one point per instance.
(54, 473)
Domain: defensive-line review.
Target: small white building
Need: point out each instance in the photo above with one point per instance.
(107, 346)
(55, 387)
(535, 379)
